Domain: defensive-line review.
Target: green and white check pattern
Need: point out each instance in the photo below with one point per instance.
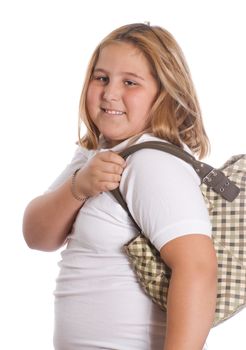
(229, 238)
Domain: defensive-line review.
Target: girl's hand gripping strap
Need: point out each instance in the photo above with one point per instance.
(212, 177)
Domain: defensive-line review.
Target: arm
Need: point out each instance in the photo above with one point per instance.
(192, 291)
(48, 218)
(164, 197)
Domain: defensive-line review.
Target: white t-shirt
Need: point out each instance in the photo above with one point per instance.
(98, 301)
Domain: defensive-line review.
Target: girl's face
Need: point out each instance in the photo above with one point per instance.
(121, 92)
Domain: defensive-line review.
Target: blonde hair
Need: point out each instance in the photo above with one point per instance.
(175, 114)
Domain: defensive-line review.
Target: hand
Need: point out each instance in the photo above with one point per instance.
(102, 173)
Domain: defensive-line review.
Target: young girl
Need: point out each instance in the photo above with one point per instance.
(137, 88)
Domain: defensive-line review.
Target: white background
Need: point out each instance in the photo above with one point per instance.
(45, 47)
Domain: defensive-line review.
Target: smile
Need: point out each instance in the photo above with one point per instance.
(112, 111)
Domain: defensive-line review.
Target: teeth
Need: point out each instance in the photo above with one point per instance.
(112, 112)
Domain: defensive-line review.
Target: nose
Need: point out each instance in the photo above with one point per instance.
(111, 92)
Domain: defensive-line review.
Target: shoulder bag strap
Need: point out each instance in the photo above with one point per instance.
(212, 177)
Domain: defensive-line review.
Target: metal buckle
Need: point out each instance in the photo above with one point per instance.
(209, 177)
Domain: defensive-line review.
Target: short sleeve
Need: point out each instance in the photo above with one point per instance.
(163, 196)
(80, 157)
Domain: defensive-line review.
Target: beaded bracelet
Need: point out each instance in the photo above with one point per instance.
(73, 188)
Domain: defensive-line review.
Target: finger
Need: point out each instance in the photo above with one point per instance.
(112, 168)
(107, 177)
(108, 186)
(112, 157)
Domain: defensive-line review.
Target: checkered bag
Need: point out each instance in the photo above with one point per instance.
(224, 193)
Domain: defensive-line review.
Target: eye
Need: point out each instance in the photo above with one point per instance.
(130, 83)
(101, 78)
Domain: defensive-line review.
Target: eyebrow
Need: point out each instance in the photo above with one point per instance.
(122, 73)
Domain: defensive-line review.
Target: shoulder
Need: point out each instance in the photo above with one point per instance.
(153, 163)
(160, 175)
(163, 195)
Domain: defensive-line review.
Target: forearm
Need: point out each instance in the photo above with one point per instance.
(190, 309)
(48, 218)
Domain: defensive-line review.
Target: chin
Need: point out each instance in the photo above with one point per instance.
(111, 143)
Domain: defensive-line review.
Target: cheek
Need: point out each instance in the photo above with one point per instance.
(136, 100)
(143, 103)
(149, 101)
(92, 97)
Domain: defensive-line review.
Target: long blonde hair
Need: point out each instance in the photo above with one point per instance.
(175, 114)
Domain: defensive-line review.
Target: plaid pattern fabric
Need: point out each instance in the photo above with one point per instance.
(229, 238)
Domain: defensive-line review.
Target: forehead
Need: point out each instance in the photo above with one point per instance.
(122, 55)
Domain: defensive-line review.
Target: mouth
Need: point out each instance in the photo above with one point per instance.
(112, 111)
